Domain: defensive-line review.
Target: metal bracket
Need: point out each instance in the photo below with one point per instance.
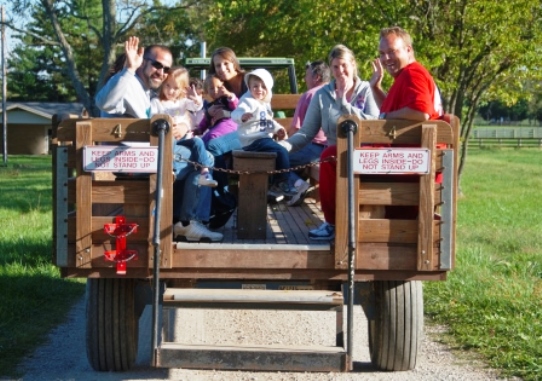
(447, 210)
(61, 206)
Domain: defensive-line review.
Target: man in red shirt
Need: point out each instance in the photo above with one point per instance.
(413, 94)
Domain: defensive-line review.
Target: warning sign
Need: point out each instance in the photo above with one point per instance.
(120, 159)
(392, 161)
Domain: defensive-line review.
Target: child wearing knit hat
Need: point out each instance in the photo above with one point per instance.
(256, 127)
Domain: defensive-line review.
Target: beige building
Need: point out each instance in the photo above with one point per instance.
(29, 125)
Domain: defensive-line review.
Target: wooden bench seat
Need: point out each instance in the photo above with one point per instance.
(252, 204)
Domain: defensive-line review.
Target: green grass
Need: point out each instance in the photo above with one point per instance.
(492, 301)
(34, 298)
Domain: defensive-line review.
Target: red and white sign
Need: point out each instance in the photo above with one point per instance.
(392, 161)
(120, 159)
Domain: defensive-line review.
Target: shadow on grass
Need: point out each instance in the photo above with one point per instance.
(34, 299)
(32, 304)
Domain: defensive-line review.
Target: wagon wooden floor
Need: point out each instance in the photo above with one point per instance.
(285, 225)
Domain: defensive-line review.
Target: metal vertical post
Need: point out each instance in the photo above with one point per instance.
(203, 54)
(349, 128)
(4, 87)
(160, 128)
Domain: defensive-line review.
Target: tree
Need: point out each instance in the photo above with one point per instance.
(38, 70)
(476, 50)
(103, 26)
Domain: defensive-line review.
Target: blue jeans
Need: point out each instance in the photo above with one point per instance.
(203, 209)
(219, 148)
(308, 154)
(197, 153)
(269, 145)
(188, 203)
(224, 144)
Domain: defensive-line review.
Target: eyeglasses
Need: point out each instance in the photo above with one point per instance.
(157, 65)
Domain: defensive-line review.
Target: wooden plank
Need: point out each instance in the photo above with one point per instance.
(116, 192)
(284, 101)
(393, 231)
(98, 234)
(189, 275)
(166, 194)
(252, 256)
(389, 257)
(403, 132)
(254, 161)
(253, 357)
(279, 298)
(83, 198)
(300, 226)
(341, 209)
(426, 209)
(107, 130)
(389, 193)
(140, 261)
(456, 127)
(285, 122)
(252, 204)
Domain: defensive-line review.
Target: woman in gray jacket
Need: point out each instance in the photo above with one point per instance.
(345, 94)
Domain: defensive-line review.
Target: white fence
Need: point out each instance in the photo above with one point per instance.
(507, 133)
(507, 136)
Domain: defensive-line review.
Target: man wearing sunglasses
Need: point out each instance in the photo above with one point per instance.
(128, 92)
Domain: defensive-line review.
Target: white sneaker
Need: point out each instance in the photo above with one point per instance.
(195, 232)
(206, 180)
(179, 229)
(301, 187)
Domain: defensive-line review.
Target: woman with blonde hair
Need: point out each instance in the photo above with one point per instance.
(345, 94)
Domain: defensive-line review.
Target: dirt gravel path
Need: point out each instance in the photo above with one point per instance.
(63, 357)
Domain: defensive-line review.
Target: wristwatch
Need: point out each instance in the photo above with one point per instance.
(382, 115)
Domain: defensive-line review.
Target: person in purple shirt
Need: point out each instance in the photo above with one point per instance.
(317, 74)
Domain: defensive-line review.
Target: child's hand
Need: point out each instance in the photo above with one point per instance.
(192, 94)
(223, 92)
(246, 116)
(282, 134)
(217, 112)
(179, 130)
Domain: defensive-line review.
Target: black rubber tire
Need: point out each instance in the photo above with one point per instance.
(112, 327)
(396, 331)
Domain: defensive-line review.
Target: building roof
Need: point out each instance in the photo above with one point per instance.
(45, 109)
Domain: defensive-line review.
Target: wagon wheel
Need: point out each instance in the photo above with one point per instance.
(396, 331)
(112, 324)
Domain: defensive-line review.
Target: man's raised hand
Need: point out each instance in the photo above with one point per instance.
(134, 54)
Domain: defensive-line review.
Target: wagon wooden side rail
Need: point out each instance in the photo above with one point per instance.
(410, 245)
(84, 203)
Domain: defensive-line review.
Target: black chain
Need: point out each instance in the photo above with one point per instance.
(234, 172)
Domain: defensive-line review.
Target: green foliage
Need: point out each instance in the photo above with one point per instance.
(496, 109)
(466, 44)
(34, 297)
(492, 301)
(305, 30)
(76, 41)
